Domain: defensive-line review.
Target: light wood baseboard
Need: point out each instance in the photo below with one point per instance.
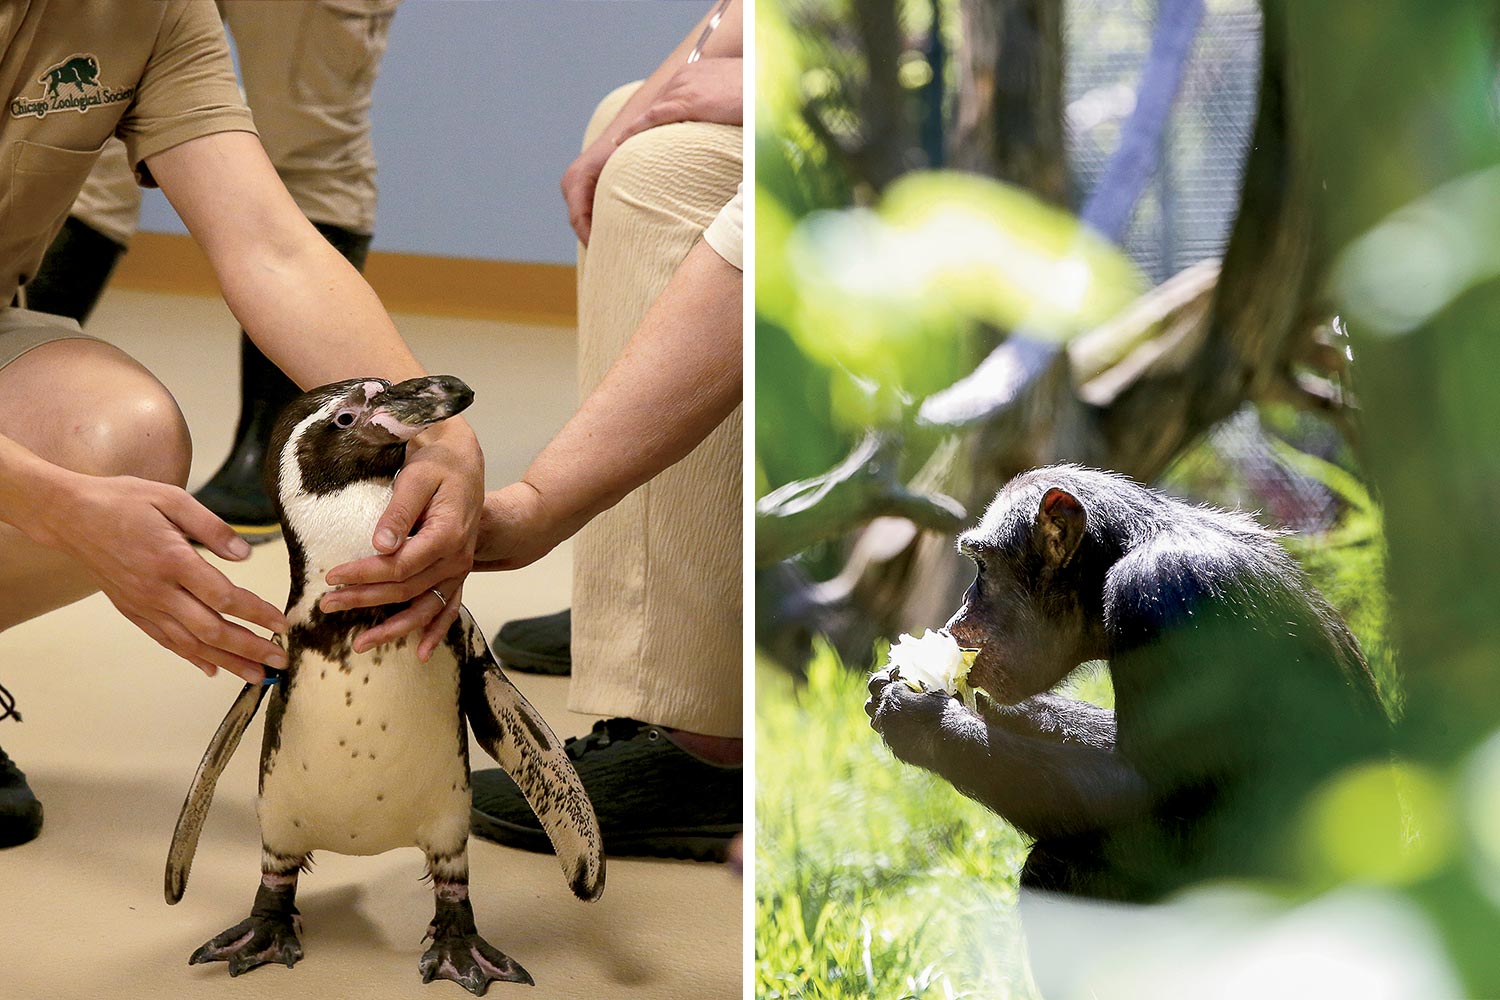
(505, 291)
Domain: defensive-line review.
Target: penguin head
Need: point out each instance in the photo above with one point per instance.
(349, 432)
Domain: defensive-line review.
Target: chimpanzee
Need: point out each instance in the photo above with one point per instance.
(1237, 688)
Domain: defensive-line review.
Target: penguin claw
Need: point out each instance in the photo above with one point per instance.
(471, 962)
(251, 943)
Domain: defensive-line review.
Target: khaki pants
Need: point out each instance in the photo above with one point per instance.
(657, 616)
(308, 71)
(22, 329)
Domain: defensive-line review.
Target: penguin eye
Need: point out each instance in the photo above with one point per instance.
(345, 418)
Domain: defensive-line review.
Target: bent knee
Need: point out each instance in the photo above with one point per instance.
(149, 437)
(687, 170)
(137, 432)
(116, 419)
(88, 406)
(607, 110)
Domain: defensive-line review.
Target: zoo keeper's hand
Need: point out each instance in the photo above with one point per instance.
(135, 536)
(709, 90)
(516, 529)
(579, 182)
(439, 491)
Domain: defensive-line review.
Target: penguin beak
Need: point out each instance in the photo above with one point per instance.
(406, 408)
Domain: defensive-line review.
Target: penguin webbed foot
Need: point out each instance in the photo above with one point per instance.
(253, 942)
(470, 961)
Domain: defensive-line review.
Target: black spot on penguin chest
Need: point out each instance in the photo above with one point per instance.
(332, 635)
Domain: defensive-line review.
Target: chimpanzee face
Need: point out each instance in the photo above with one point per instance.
(1029, 609)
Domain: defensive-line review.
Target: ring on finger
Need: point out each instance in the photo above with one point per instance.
(439, 595)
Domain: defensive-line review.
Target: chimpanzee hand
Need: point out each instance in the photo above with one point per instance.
(909, 721)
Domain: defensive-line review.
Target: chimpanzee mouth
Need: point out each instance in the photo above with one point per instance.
(986, 676)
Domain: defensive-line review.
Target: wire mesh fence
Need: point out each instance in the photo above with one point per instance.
(1185, 216)
(1187, 211)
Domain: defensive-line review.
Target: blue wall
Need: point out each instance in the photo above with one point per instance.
(470, 158)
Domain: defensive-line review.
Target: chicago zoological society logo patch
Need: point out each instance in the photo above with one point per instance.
(71, 85)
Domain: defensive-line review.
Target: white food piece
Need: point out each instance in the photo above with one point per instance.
(934, 662)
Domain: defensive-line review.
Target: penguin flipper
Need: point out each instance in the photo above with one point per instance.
(201, 793)
(514, 733)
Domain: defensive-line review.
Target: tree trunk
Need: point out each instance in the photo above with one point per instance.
(888, 145)
(1009, 106)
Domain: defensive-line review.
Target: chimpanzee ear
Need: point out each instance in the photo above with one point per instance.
(1061, 521)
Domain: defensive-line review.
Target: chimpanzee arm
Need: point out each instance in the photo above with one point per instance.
(1056, 719)
(1044, 786)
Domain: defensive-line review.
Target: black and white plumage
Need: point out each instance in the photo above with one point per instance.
(365, 752)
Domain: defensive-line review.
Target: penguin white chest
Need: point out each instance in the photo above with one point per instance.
(369, 754)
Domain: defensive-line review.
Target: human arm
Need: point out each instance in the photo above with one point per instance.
(315, 316)
(710, 89)
(677, 379)
(133, 538)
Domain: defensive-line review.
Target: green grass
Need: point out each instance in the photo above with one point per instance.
(874, 879)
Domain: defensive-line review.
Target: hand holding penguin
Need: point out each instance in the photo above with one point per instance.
(428, 568)
(517, 528)
(135, 536)
(366, 750)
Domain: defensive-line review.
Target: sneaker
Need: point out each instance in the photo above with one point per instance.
(540, 645)
(653, 798)
(20, 812)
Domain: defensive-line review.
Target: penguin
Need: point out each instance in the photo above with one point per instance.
(365, 752)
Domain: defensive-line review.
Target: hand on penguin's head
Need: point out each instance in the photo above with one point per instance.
(427, 534)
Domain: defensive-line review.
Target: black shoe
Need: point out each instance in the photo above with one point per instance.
(74, 271)
(542, 645)
(237, 491)
(652, 797)
(20, 812)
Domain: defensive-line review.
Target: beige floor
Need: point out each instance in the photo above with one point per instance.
(115, 726)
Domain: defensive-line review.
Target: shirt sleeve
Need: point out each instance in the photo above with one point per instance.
(726, 234)
(188, 89)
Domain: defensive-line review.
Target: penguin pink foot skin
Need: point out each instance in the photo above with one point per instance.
(458, 952)
(268, 935)
(366, 752)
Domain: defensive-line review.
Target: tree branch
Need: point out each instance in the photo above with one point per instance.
(862, 487)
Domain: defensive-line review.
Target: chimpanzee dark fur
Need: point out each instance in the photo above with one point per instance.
(1237, 687)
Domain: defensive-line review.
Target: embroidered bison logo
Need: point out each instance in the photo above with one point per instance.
(80, 71)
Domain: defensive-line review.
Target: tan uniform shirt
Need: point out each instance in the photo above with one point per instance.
(75, 72)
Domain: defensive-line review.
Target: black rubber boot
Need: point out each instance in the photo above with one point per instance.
(20, 812)
(74, 271)
(541, 645)
(652, 797)
(236, 492)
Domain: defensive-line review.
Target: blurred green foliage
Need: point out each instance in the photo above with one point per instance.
(864, 309)
(1347, 563)
(794, 176)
